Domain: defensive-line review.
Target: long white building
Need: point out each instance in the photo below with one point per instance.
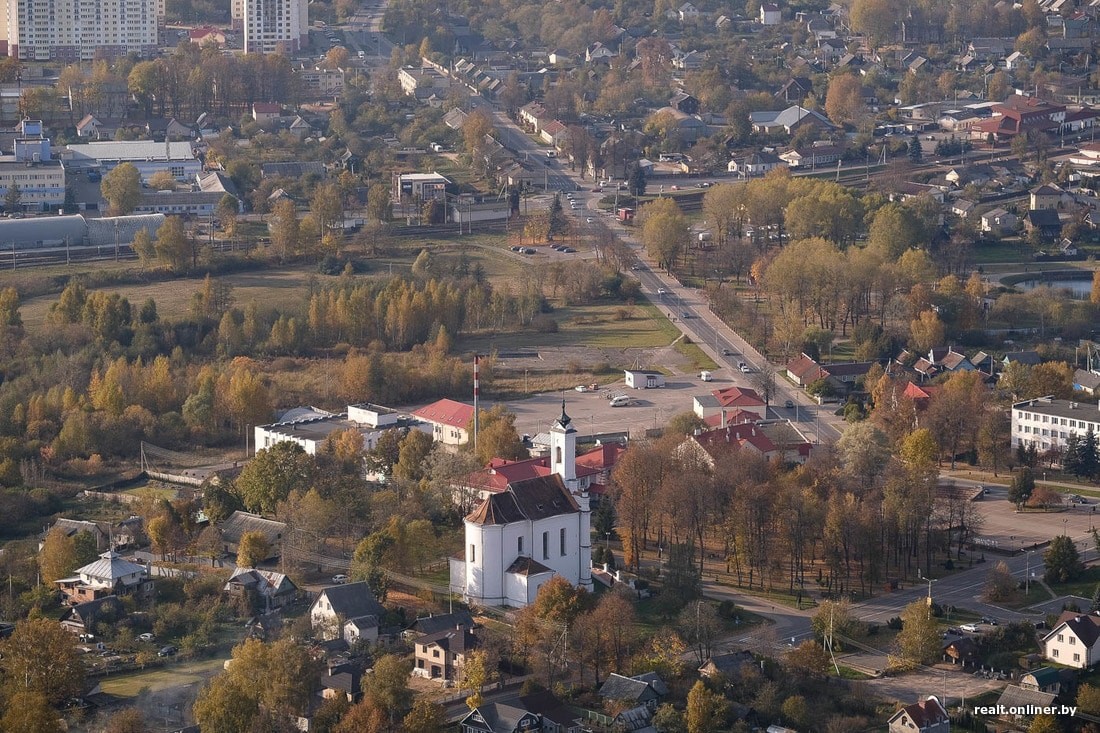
(519, 538)
(273, 26)
(1048, 423)
(71, 30)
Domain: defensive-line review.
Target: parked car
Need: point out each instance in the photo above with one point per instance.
(146, 637)
(972, 628)
(167, 651)
(339, 579)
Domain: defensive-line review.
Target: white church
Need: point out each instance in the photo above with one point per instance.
(535, 528)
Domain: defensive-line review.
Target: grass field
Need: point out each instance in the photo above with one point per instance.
(600, 325)
(163, 678)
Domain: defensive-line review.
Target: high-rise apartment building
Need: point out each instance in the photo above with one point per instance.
(71, 30)
(273, 26)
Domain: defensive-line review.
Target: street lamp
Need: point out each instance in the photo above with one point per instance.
(930, 581)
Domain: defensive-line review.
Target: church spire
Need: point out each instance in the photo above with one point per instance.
(564, 420)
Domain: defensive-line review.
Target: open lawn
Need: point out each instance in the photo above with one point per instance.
(611, 325)
(163, 678)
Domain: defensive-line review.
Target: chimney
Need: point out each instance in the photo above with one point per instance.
(618, 576)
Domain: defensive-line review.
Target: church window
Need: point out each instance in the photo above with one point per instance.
(473, 553)
(561, 540)
(519, 545)
(545, 545)
(557, 455)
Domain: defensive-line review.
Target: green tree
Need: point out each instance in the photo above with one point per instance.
(707, 711)
(252, 549)
(272, 474)
(915, 152)
(13, 198)
(121, 189)
(162, 181)
(668, 719)
(919, 638)
(1088, 699)
(636, 182)
(1063, 564)
(685, 423)
(412, 451)
(40, 654)
(387, 687)
(379, 203)
(1022, 486)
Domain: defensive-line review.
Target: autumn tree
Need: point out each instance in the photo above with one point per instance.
(497, 436)
(926, 331)
(412, 450)
(1000, 586)
(387, 686)
(285, 230)
(272, 474)
(706, 710)
(252, 549)
(61, 554)
(844, 99)
(162, 181)
(40, 654)
(664, 231)
(425, 717)
(173, 246)
(121, 189)
(28, 711)
(144, 247)
(475, 675)
(129, 720)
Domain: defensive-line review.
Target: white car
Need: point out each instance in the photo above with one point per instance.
(661, 291)
(339, 579)
(146, 637)
(972, 628)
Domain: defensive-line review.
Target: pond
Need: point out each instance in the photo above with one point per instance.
(1079, 289)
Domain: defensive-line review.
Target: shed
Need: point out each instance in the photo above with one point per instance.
(644, 379)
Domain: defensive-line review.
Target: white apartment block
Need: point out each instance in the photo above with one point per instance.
(274, 26)
(72, 30)
(1048, 423)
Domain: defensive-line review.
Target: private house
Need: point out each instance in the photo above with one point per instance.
(1045, 221)
(449, 420)
(756, 164)
(685, 103)
(770, 14)
(1045, 679)
(519, 538)
(927, 716)
(1030, 358)
(639, 695)
(1047, 423)
(688, 13)
(812, 157)
(727, 665)
(440, 656)
(1075, 639)
(434, 624)
(1047, 196)
(842, 376)
(73, 527)
(265, 590)
(82, 617)
(496, 717)
(1018, 115)
(962, 208)
(240, 522)
(1016, 699)
(598, 53)
(343, 677)
(786, 121)
(725, 401)
(110, 575)
(795, 90)
(349, 612)
(266, 112)
(999, 222)
(1087, 381)
(167, 128)
(644, 379)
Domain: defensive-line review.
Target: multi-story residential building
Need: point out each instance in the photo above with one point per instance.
(273, 26)
(1048, 423)
(71, 30)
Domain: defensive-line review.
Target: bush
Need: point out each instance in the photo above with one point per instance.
(544, 324)
(894, 623)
